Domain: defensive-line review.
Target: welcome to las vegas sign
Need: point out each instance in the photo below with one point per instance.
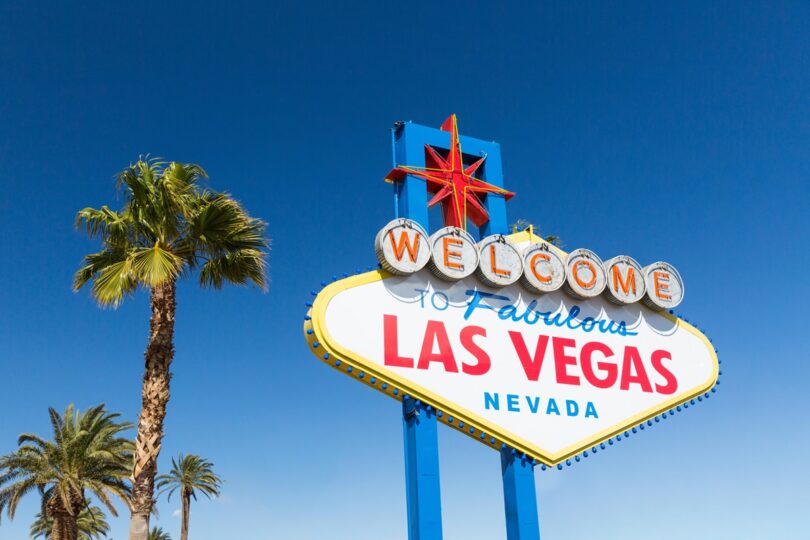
(513, 341)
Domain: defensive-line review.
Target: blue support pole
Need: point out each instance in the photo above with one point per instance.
(495, 204)
(410, 195)
(519, 497)
(421, 472)
(419, 425)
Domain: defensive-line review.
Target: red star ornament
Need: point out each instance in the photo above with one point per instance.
(451, 184)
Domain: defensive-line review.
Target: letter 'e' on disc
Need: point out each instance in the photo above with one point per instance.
(584, 274)
(543, 269)
(664, 286)
(402, 247)
(625, 280)
(499, 263)
(453, 254)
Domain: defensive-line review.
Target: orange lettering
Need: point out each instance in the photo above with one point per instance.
(661, 280)
(446, 241)
(575, 271)
(625, 284)
(405, 243)
(494, 267)
(538, 275)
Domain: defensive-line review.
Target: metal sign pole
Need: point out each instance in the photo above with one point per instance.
(519, 496)
(421, 472)
(419, 422)
(419, 425)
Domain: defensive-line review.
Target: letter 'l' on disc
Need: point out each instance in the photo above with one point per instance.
(402, 247)
(499, 262)
(453, 254)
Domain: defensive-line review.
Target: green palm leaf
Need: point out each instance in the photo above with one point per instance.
(86, 453)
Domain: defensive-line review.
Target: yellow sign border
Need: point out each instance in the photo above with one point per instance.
(330, 352)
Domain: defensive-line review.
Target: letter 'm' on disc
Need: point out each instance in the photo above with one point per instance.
(543, 269)
(402, 247)
(625, 280)
(453, 254)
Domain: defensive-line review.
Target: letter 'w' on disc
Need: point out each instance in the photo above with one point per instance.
(664, 286)
(402, 247)
(454, 254)
(585, 276)
(625, 280)
(500, 263)
(543, 269)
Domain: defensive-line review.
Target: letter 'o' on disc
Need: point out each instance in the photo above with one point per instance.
(454, 255)
(543, 269)
(584, 275)
(664, 286)
(625, 280)
(499, 262)
(402, 247)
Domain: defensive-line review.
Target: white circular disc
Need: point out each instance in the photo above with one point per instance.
(584, 274)
(402, 247)
(664, 286)
(453, 254)
(625, 280)
(499, 262)
(543, 269)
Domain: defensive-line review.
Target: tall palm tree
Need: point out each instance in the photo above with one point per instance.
(169, 226)
(91, 523)
(190, 474)
(87, 453)
(158, 534)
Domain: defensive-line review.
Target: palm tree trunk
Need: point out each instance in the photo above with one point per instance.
(154, 396)
(186, 512)
(65, 525)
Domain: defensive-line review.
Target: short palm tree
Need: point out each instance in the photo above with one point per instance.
(191, 475)
(87, 453)
(169, 226)
(158, 534)
(91, 523)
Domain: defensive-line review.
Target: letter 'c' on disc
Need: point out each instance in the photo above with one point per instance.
(625, 280)
(402, 247)
(453, 254)
(500, 263)
(584, 274)
(543, 269)
(664, 286)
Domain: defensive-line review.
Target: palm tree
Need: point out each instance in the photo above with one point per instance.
(91, 522)
(158, 534)
(190, 474)
(168, 227)
(86, 453)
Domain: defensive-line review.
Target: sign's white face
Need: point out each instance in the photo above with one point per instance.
(546, 374)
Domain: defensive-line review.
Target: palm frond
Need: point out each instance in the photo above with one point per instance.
(155, 266)
(238, 268)
(169, 226)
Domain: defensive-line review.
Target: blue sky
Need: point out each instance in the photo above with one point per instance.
(662, 132)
